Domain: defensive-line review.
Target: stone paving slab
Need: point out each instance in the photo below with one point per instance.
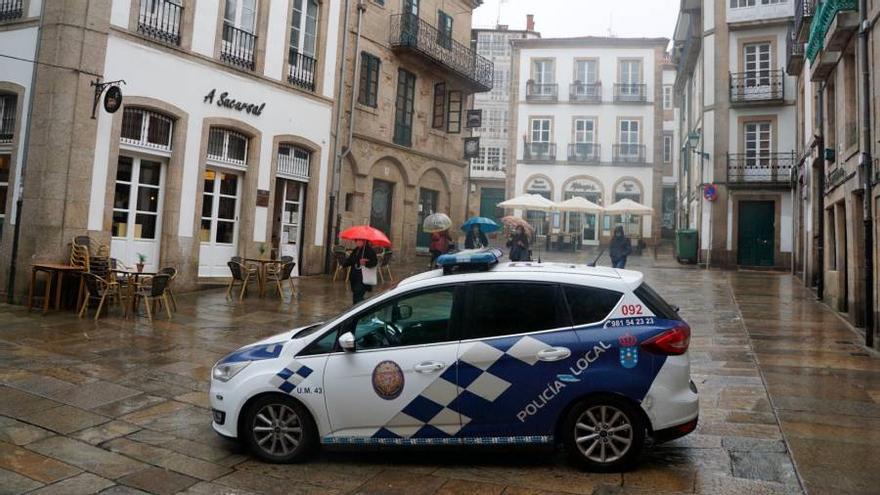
(120, 406)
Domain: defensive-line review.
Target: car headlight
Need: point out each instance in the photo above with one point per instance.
(225, 372)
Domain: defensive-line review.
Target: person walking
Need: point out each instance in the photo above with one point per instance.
(519, 245)
(359, 258)
(475, 239)
(620, 248)
(440, 242)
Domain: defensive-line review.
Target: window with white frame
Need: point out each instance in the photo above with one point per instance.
(586, 71)
(584, 131)
(241, 14)
(758, 143)
(7, 117)
(735, 4)
(493, 158)
(756, 62)
(667, 97)
(304, 27)
(146, 129)
(667, 148)
(227, 146)
(293, 161)
(541, 129)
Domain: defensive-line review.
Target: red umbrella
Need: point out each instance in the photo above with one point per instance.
(366, 233)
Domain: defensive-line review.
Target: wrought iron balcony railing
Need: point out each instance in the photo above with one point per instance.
(239, 47)
(410, 32)
(794, 52)
(757, 86)
(629, 153)
(803, 14)
(585, 92)
(543, 152)
(826, 11)
(584, 152)
(160, 19)
(10, 9)
(759, 168)
(630, 93)
(542, 92)
(302, 70)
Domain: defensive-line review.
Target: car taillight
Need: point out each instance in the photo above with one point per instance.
(672, 342)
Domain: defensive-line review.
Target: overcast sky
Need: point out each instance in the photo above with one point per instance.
(560, 18)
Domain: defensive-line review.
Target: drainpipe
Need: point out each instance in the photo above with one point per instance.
(16, 231)
(820, 143)
(867, 174)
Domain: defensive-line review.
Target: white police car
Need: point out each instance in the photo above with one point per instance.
(515, 353)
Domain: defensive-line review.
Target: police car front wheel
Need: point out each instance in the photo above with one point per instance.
(604, 434)
(279, 429)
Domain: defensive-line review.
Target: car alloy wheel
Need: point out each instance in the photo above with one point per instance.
(603, 434)
(277, 429)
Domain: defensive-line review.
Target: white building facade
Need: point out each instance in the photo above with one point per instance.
(588, 121)
(222, 146)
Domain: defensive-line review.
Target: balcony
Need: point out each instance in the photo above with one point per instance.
(584, 152)
(302, 70)
(629, 153)
(630, 93)
(10, 9)
(293, 162)
(160, 20)
(826, 15)
(539, 152)
(239, 47)
(541, 92)
(759, 11)
(757, 87)
(761, 169)
(803, 16)
(488, 171)
(585, 92)
(794, 53)
(410, 34)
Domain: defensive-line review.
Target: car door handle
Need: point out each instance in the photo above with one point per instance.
(429, 367)
(553, 354)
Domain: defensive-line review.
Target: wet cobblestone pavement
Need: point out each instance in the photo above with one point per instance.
(789, 403)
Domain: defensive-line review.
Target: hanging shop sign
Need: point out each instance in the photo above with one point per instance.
(471, 147)
(223, 100)
(474, 119)
(112, 95)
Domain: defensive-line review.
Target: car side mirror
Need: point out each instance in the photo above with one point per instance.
(346, 341)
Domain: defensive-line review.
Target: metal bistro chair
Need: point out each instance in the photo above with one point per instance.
(339, 256)
(171, 272)
(240, 274)
(385, 265)
(100, 289)
(155, 292)
(280, 274)
(247, 266)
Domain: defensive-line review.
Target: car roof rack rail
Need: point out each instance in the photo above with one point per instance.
(469, 260)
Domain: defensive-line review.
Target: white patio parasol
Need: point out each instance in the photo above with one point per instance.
(529, 202)
(578, 204)
(628, 207)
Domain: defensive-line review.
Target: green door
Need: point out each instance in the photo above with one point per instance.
(489, 199)
(756, 233)
(427, 205)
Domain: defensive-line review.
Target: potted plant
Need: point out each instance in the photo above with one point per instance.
(262, 249)
(142, 258)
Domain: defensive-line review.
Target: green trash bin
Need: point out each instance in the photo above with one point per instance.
(686, 245)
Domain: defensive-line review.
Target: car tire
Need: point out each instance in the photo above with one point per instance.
(608, 443)
(279, 429)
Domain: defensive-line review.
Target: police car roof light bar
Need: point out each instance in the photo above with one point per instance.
(469, 260)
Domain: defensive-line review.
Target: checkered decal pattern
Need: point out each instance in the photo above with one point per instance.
(435, 413)
(291, 376)
(514, 440)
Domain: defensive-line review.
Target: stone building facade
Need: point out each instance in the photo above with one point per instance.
(414, 75)
(221, 147)
(736, 125)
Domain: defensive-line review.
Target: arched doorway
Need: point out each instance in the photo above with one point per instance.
(586, 224)
(433, 197)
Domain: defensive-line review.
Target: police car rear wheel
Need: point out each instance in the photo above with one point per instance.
(604, 434)
(280, 430)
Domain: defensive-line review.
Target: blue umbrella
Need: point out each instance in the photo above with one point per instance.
(487, 225)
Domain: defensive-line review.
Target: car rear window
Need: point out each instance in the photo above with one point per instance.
(590, 304)
(655, 303)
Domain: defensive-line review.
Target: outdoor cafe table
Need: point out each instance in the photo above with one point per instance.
(261, 273)
(52, 270)
(133, 276)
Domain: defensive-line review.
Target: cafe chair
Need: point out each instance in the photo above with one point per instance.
(97, 288)
(339, 256)
(279, 274)
(171, 272)
(385, 265)
(240, 275)
(154, 290)
(247, 266)
(286, 259)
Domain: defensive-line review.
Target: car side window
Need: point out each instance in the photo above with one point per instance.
(589, 304)
(511, 308)
(417, 319)
(323, 345)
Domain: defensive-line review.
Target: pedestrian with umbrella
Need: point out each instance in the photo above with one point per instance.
(477, 228)
(438, 224)
(362, 259)
(519, 245)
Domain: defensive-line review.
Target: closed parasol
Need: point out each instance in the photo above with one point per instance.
(366, 233)
(436, 222)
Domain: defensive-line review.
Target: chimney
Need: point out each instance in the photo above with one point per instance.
(530, 22)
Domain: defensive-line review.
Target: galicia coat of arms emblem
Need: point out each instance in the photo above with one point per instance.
(388, 380)
(629, 350)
